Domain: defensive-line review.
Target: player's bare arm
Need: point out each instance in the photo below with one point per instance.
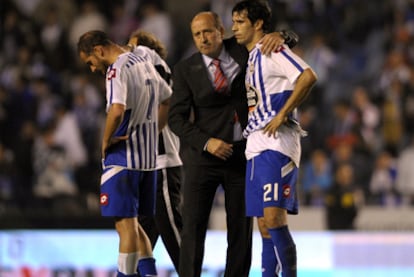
(304, 84)
(114, 118)
(163, 114)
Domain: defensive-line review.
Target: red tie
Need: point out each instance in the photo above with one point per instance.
(220, 80)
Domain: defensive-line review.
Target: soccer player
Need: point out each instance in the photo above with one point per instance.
(136, 95)
(167, 222)
(276, 86)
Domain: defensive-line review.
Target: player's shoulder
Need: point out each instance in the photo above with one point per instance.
(141, 50)
(127, 59)
(282, 52)
(145, 52)
(122, 59)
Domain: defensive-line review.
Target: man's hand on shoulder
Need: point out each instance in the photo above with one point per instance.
(273, 41)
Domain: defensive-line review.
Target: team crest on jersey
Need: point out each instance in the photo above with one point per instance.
(104, 199)
(286, 191)
(111, 74)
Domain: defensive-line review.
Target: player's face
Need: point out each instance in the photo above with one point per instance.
(207, 38)
(242, 28)
(94, 62)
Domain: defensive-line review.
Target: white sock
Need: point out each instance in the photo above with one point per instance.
(127, 263)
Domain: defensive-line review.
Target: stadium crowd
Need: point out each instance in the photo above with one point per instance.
(360, 114)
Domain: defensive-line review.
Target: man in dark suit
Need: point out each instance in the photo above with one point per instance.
(208, 118)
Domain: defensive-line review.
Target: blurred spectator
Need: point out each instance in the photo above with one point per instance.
(369, 118)
(88, 110)
(53, 177)
(13, 30)
(405, 174)
(66, 11)
(53, 38)
(23, 153)
(322, 59)
(382, 184)
(4, 113)
(123, 23)
(395, 69)
(392, 124)
(408, 108)
(156, 21)
(341, 125)
(223, 8)
(343, 199)
(67, 135)
(89, 18)
(46, 101)
(316, 178)
(87, 107)
(345, 152)
(22, 68)
(310, 120)
(7, 170)
(21, 105)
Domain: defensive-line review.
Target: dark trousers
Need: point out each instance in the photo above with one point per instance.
(200, 185)
(167, 222)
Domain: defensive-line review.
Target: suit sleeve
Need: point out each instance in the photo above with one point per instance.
(181, 106)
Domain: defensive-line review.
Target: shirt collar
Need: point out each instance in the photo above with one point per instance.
(223, 57)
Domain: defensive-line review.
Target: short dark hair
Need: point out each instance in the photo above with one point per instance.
(91, 39)
(256, 9)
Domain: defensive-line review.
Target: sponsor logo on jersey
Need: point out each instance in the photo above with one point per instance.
(251, 96)
(111, 74)
(104, 199)
(286, 191)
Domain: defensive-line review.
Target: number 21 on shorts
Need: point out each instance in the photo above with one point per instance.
(270, 192)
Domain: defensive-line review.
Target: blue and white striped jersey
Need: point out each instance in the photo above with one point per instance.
(133, 81)
(269, 83)
(152, 56)
(171, 143)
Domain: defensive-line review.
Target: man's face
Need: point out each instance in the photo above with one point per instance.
(207, 38)
(95, 61)
(242, 28)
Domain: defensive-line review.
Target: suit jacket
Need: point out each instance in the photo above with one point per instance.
(212, 114)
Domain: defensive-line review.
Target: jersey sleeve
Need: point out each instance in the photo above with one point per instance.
(165, 90)
(116, 87)
(288, 64)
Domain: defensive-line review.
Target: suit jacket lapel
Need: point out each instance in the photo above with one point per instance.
(198, 71)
